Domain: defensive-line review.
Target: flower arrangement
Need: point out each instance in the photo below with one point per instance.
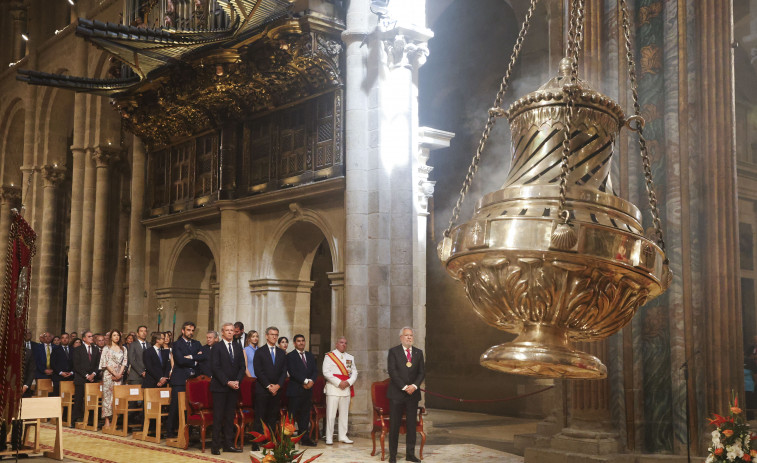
(280, 443)
(731, 439)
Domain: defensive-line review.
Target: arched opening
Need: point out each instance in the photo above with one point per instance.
(193, 292)
(297, 296)
(320, 302)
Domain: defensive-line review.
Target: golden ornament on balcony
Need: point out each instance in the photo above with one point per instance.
(555, 255)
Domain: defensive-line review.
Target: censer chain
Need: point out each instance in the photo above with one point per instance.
(639, 128)
(575, 38)
(494, 112)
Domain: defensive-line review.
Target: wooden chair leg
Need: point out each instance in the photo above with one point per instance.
(423, 442)
(202, 437)
(383, 434)
(373, 438)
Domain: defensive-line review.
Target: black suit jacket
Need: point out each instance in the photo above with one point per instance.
(84, 366)
(203, 367)
(29, 368)
(223, 369)
(184, 368)
(154, 370)
(266, 371)
(298, 373)
(401, 375)
(60, 362)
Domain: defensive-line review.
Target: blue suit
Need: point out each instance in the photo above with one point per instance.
(267, 372)
(300, 399)
(40, 360)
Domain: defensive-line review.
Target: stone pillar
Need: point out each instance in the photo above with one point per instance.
(18, 12)
(136, 311)
(381, 122)
(723, 360)
(423, 189)
(337, 305)
(87, 245)
(282, 303)
(227, 267)
(103, 158)
(48, 314)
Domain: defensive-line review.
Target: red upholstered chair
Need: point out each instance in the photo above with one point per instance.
(245, 408)
(318, 410)
(381, 417)
(199, 406)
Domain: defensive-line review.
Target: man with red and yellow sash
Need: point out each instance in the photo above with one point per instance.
(341, 373)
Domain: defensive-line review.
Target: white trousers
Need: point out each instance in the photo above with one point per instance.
(334, 403)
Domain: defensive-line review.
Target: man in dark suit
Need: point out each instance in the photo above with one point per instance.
(62, 363)
(271, 371)
(42, 353)
(227, 364)
(204, 367)
(302, 374)
(157, 363)
(86, 368)
(407, 372)
(186, 353)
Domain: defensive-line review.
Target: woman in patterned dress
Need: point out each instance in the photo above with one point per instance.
(113, 363)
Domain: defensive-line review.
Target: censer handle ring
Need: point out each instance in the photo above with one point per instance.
(640, 123)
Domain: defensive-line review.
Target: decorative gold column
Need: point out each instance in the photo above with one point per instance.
(87, 235)
(136, 311)
(103, 158)
(48, 312)
(722, 324)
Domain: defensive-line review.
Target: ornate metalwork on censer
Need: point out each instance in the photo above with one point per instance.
(555, 255)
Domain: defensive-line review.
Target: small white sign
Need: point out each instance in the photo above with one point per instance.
(116, 401)
(87, 398)
(165, 394)
(149, 405)
(134, 391)
(101, 388)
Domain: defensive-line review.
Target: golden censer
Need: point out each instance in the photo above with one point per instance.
(555, 255)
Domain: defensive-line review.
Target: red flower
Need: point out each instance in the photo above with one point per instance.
(728, 432)
(747, 457)
(718, 452)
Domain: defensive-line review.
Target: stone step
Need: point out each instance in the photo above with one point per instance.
(521, 442)
(547, 455)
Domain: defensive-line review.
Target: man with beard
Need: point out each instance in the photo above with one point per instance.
(186, 354)
(62, 362)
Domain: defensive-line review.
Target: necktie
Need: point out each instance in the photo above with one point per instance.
(47, 355)
(273, 354)
(160, 356)
(231, 352)
(409, 357)
(144, 346)
(89, 352)
(302, 354)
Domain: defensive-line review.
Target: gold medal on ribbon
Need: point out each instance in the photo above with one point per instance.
(409, 364)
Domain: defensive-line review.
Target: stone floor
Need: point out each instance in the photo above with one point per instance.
(454, 437)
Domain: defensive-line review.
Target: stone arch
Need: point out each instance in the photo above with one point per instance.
(190, 233)
(12, 137)
(283, 295)
(190, 282)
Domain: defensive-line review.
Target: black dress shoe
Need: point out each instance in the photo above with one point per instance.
(232, 449)
(215, 451)
(413, 458)
(308, 443)
(255, 447)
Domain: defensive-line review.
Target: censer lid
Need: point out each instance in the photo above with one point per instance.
(551, 93)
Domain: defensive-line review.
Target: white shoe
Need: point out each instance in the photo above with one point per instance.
(329, 442)
(346, 441)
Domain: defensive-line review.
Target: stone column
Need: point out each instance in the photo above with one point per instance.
(337, 304)
(136, 311)
(79, 154)
(723, 360)
(227, 267)
(381, 122)
(282, 303)
(87, 235)
(48, 314)
(103, 158)
(18, 12)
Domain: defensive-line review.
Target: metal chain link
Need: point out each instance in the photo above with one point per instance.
(646, 163)
(494, 112)
(575, 39)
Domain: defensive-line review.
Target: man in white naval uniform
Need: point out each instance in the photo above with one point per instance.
(340, 373)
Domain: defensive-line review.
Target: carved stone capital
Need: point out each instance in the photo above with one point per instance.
(406, 47)
(104, 156)
(53, 175)
(10, 194)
